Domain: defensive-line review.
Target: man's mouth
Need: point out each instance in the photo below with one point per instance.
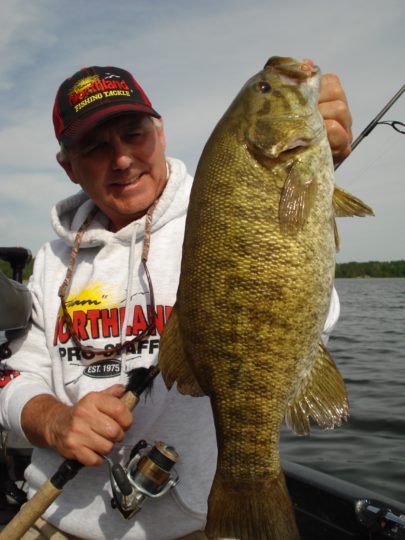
(127, 182)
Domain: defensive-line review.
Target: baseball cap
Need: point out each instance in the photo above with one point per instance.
(93, 95)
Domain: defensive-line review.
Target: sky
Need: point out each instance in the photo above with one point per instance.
(192, 57)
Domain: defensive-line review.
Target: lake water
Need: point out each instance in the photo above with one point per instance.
(368, 346)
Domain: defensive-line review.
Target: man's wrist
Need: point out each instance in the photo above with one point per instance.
(38, 418)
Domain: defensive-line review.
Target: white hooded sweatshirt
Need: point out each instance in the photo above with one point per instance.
(108, 293)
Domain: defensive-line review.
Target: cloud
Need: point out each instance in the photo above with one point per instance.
(26, 201)
(24, 35)
(192, 58)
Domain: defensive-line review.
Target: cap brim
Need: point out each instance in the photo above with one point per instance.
(81, 126)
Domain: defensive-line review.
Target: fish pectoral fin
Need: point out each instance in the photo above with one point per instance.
(336, 234)
(347, 205)
(172, 361)
(297, 198)
(322, 395)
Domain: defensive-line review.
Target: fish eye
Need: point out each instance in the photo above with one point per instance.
(263, 87)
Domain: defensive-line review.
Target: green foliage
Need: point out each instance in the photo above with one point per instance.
(5, 267)
(378, 269)
(343, 270)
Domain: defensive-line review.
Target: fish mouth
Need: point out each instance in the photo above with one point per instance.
(282, 151)
(272, 155)
(289, 117)
(293, 69)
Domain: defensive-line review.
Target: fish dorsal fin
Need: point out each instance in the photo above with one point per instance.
(297, 198)
(172, 361)
(347, 205)
(321, 395)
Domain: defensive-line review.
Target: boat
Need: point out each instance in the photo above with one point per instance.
(326, 508)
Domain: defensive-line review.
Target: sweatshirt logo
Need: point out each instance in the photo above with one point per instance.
(103, 369)
(98, 321)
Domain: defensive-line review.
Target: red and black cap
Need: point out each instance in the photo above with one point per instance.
(92, 95)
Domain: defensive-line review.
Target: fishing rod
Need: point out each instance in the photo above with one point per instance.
(368, 129)
(52, 488)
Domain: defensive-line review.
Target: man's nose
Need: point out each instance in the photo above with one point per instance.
(122, 157)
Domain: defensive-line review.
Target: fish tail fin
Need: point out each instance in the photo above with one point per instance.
(172, 361)
(252, 512)
(347, 205)
(322, 395)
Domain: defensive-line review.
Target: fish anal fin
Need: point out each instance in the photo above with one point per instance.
(172, 361)
(297, 198)
(347, 205)
(321, 395)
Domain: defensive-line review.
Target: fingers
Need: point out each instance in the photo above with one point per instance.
(339, 139)
(90, 428)
(85, 445)
(338, 119)
(116, 390)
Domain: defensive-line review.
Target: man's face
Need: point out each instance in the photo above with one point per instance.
(121, 166)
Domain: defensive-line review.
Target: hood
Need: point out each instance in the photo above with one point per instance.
(68, 215)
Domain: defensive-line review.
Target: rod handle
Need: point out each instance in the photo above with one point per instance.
(30, 512)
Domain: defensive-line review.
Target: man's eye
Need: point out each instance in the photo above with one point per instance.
(92, 148)
(134, 134)
(88, 151)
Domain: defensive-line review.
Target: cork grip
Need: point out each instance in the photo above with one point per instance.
(45, 496)
(30, 512)
(130, 399)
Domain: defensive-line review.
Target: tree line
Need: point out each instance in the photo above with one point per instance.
(343, 270)
(380, 269)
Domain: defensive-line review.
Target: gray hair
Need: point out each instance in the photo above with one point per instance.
(63, 154)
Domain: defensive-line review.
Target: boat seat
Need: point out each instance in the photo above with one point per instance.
(15, 304)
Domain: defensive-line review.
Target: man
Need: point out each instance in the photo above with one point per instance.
(66, 401)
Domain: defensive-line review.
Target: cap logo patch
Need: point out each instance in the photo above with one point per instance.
(93, 88)
(91, 96)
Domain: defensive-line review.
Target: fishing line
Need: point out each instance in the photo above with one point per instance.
(397, 125)
(383, 156)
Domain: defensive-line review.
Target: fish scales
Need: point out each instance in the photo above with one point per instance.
(256, 279)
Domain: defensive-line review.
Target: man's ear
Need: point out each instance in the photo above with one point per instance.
(161, 134)
(67, 166)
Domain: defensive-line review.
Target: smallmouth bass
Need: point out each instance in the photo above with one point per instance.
(256, 279)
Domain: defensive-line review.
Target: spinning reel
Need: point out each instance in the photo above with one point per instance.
(149, 473)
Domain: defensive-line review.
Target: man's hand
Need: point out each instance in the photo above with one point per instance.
(85, 431)
(336, 114)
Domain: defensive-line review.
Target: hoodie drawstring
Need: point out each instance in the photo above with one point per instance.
(66, 284)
